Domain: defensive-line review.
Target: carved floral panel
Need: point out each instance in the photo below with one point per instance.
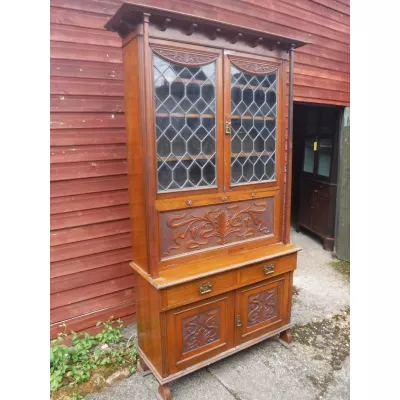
(200, 329)
(206, 227)
(262, 306)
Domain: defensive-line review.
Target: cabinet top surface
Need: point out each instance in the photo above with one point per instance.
(199, 269)
(131, 14)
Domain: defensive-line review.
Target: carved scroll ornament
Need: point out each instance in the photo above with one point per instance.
(262, 306)
(253, 67)
(200, 330)
(218, 225)
(185, 58)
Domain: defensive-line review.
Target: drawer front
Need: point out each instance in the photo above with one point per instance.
(261, 308)
(199, 331)
(267, 269)
(200, 289)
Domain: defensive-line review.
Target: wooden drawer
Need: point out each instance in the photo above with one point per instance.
(199, 289)
(267, 269)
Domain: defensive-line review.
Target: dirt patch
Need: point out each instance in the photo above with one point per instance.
(330, 340)
(99, 380)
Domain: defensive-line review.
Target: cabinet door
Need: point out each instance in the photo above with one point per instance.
(199, 331)
(306, 202)
(252, 122)
(187, 87)
(261, 308)
(321, 210)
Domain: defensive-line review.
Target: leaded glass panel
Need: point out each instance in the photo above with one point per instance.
(185, 106)
(253, 123)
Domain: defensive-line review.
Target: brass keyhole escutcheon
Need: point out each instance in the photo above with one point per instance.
(227, 128)
(238, 321)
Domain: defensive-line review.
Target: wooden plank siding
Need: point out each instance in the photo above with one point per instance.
(90, 233)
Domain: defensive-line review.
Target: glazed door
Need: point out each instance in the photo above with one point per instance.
(199, 331)
(252, 105)
(187, 96)
(260, 308)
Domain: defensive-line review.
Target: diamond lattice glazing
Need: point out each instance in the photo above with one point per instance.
(185, 107)
(253, 120)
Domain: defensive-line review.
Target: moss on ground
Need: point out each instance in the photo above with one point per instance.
(343, 267)
(330, 339)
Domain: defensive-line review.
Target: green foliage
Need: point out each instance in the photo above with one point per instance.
(71, 365)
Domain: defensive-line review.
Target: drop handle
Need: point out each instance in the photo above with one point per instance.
(224, 198)
(205, 288)
(238, 322)
(269, 269)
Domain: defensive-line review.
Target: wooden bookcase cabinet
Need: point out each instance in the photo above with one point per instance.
(209, 154)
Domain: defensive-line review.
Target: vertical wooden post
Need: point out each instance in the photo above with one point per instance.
(290, 150)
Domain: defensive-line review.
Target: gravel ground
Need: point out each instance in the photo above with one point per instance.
(315, 367)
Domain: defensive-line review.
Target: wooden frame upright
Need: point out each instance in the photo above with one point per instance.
(213, 264)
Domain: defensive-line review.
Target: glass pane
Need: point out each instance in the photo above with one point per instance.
(253, 127)
(185, 106)
(308, 165)
(324, 157)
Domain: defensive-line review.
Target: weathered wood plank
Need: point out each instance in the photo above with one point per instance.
(85, 52)
(88, 321)
(85, 201)
(66, 154)
(79, 233)
(86, 120)
(90, 185)
(87, 247)
(77, 34)
(84, 278)
(90, 216)
(85, 69)
(67, 103)
(87, 306)
(87, 263)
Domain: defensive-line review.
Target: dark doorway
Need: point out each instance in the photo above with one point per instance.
(314, 174)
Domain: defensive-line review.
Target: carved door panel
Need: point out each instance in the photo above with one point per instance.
(210, 227)
(260, 308)
(199, 331)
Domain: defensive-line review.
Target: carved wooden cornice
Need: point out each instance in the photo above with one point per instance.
(185, 58)
(253, 67)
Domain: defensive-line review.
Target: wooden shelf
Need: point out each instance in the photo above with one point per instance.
(254, 88)
(250, 117)
(179, 115)
(210, 156)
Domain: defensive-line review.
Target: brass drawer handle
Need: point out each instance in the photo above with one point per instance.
(189, 203)
(253, 195)
(238, 321)
(269, 269)
(224, 198)
(205, 288)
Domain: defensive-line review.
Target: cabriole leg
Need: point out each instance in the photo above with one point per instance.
(163, 392)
